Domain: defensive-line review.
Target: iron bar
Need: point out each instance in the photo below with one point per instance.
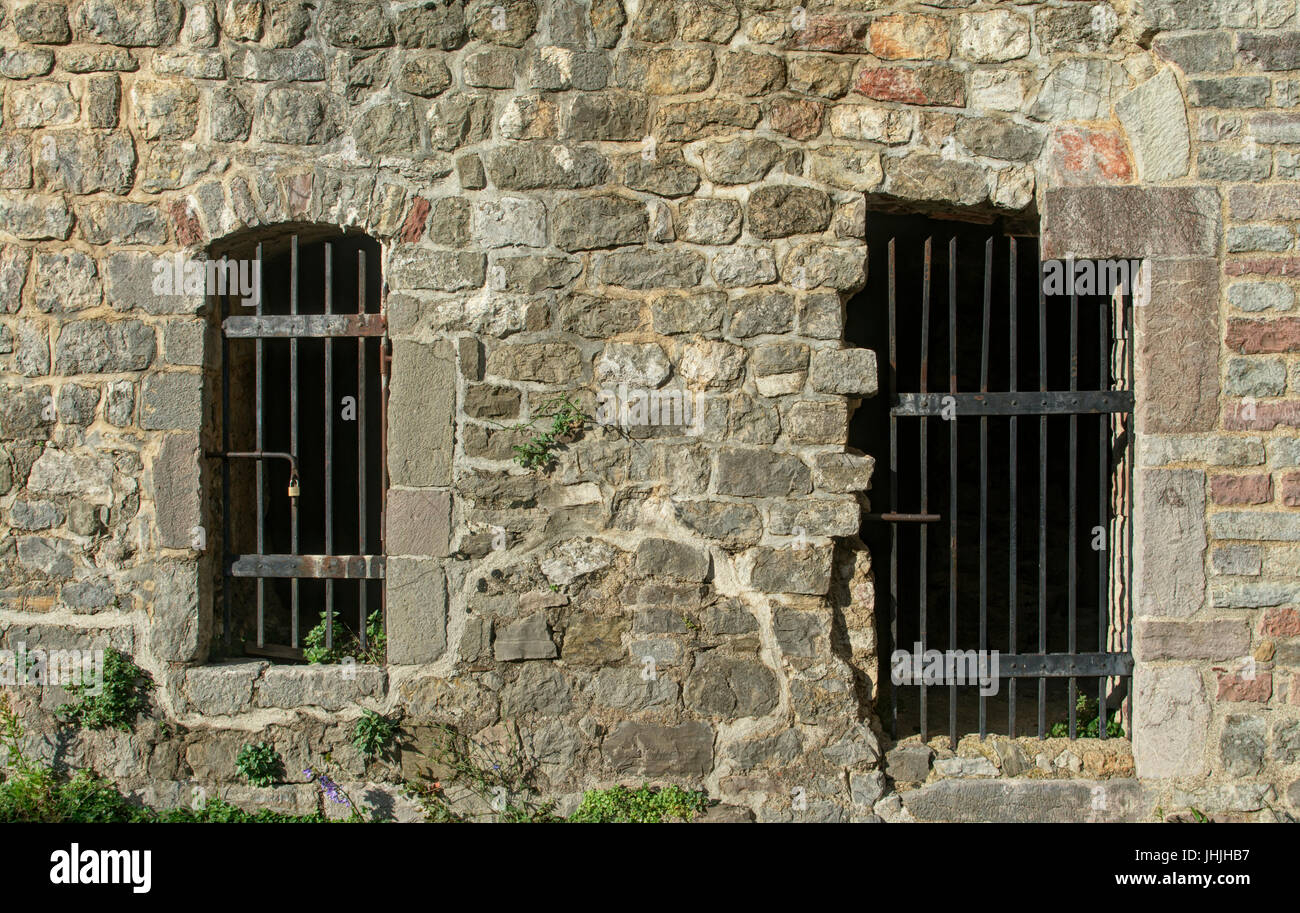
(1012, 451)
(984, 475)
(329, 445)
(1103, 502)
(1072, 530)
(952, 483)
(295, 597)
(1014, 403)
(361, 441)
(925, 480)
(893, 518)
(1042, 510)
(260, 407)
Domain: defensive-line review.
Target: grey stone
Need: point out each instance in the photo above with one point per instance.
(527, 638)
(533, 165)
(416, 609)
(171, 401)
(730, 687)
(999, 138)
(114, 222)
(24, 63)
(761, 313)
(971, 768)
(174, 631)
(666, 174)
(703, 221)
(1139, 222)
(734, 524)
(330, 687)
(1171, 716)
(382, 130)
(76, 404)
(297, 117)
(653, 750)
(782, 210)
(422, 387)
(1079, 89)
(355, 24)
(841, 473)
(791, 569)
(849, 372)
(760, 473)
(603, 116)
(98, 347)
(739, 161)
(1242, 744)
(432, 25)
(588, 223)
(1171, 551)
(266, 65)
(80, 163)
(540, 688)
(1155, 119)
(625, 688)
(669, 558)
(651, 268)
(1026, 800)
(35, 515)
(224, 688)
(1284, 747)
(33, 217)
(129, 23)
(1256, 377)
(177, 490)
(698, 313)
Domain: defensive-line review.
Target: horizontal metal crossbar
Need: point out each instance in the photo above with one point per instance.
(348, 567)
(1034, 403)
(305, 326)
(1064, 665)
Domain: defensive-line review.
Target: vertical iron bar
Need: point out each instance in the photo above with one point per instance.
(295, 597)
(893, 486)
(329, 445)
(361, 439)
(1130, 457)
(984, 478)
(1012, 470)
(1042, 510)
(260, 466)
(227, 547)
(1103, 501)
(1073, 537)
(952, 485)
(925, 482)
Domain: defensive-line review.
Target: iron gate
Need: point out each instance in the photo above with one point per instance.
(1103, 654)
(320, 326)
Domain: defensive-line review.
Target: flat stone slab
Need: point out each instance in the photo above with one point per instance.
(1030, 801)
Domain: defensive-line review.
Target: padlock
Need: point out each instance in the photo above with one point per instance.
(293, 486)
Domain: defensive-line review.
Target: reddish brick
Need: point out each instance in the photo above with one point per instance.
(186, 223)
(937, 85)
(908, 36)
(1244, 415)
(1258, 337)
(1235, 686)
(1081, 156)
(1246, 489)
(1280, 623)
(798, 118)
(1282, 267)
(413, 227)
(840, 34)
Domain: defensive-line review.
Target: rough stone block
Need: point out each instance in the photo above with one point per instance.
(1151, 222)
(422, 393)
(1178, 349)
(1171, 718)
(651, 750)
(177, 491)
(1220, 639)
(330, 687)
(419, 522)
(417, 610)
(1171, 545)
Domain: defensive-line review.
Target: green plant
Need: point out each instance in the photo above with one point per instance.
(496, 780)
(373, 734)
(647, 805)
(259, 764)
(1087, 723)
(346, 643)
(567, 420)
(123, 694)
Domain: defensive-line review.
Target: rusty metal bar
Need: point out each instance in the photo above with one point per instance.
(323, 567)
(1051, 402)
(952, 483)
(1063, 665)
(226, 543)
(1042, 510)
(306, 326)
(260, 401)
(295, 596)
(361, 441)
(925, 481)
(329, 445)
(1103, 502)
(984, 476)
(1012, 469)
(1072, 531)
(893, 484)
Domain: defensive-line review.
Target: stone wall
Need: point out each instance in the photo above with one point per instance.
(575, 195)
